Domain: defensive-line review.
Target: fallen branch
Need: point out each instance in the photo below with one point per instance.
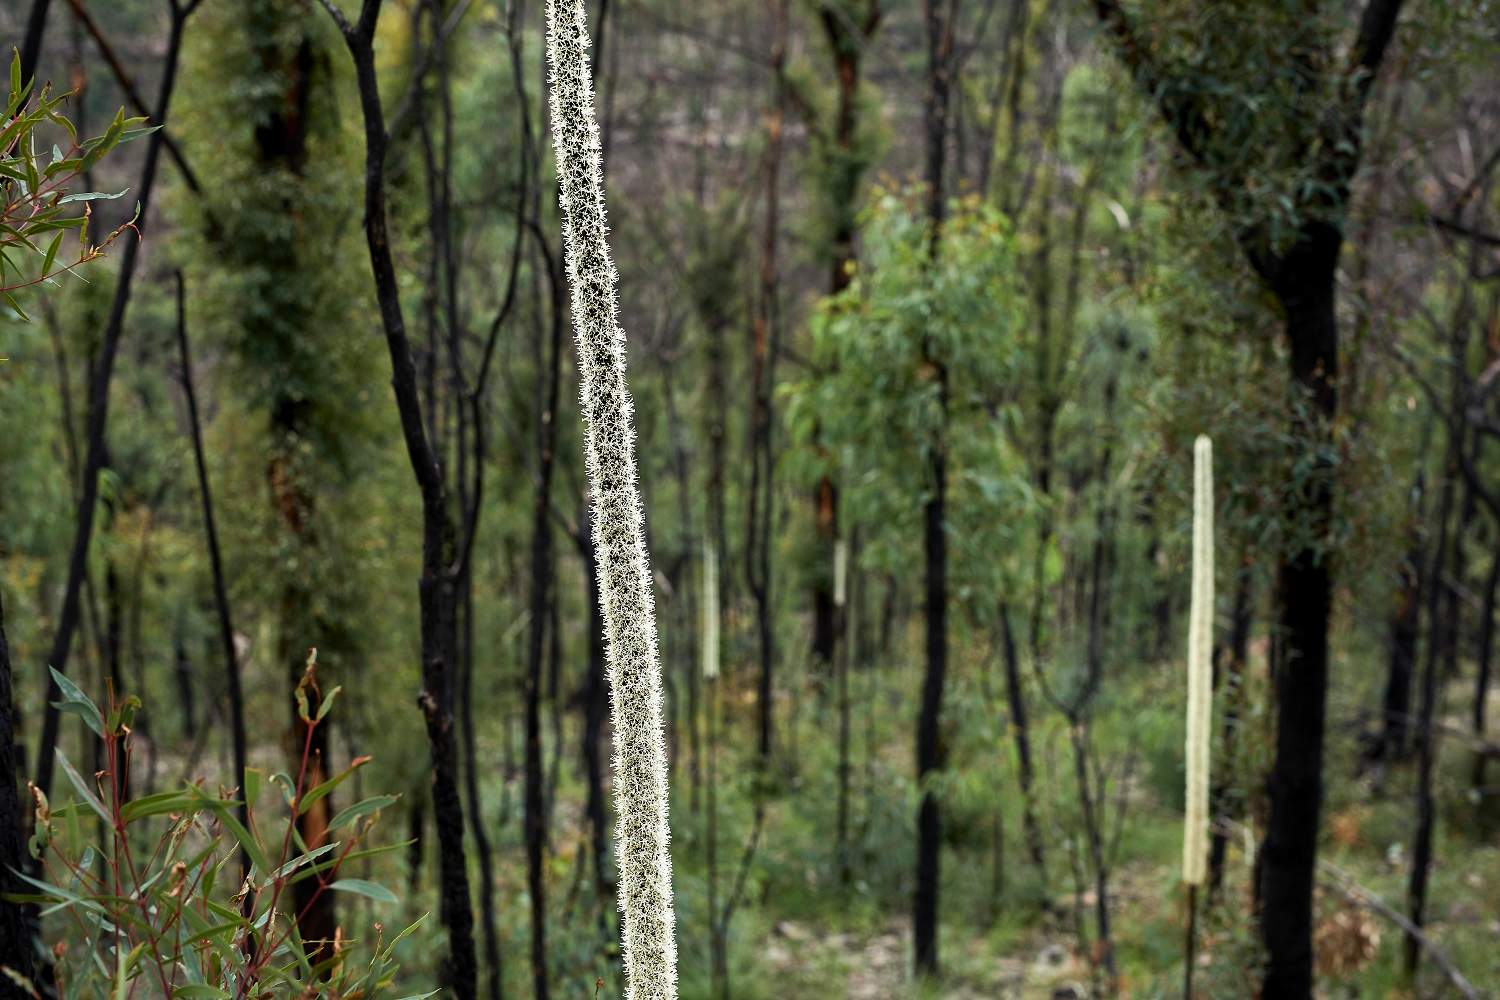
(1345, 885)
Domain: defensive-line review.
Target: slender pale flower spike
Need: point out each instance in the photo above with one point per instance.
(840, 573)
(710, 611)
(640, 760)
(1200, 668)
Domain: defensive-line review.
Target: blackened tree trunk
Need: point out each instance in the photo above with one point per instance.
(1395, 704)
(681, 572)
(221, 591)
(1015, 695)
(416, 835)
(765, 342)
(443, 557)
(97, 419)
(931, 752)
(17, 950)
(1288, 855)
(31, 46)
(1223, 804)
(183, 673)
(1439, 650)
(482, 847)
(535, 798)
(549, 364)
(1482, 675)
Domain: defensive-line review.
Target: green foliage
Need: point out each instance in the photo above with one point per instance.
(873, 412)
(35, 194)
(148, 895)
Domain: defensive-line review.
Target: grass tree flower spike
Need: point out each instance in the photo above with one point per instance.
(640, 762)
(1200, 668)
(710, 612)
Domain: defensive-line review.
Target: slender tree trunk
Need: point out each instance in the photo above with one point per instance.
(850, 608)
(1223, 805)
(931, 751)
(1020, 730)
(1395, 721)
(31, 46)
(1103, 951)
(495, 973)
(535, 820)
(1439, 650)
(684, 605)
(17, 951)
(1482, 676)
(764, 349)
(441, 552)
(221, 590)
(416, 835)
(183, 673)
(98, 408)
(549, 368)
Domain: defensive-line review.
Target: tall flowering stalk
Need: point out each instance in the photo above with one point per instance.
(1200, 688)
(1200, 667)
(640, 761)
(710, 612)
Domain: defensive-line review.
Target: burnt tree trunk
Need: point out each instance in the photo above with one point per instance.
(221, 590)
(477, 829)
(549, 364)
(1439, 654)
(931, 752)
(100, 374)
(1482, 676)
(1288, 855)
(17, 947)
(1223, 805)
(442, 555)
(1395, 705)
(1015, 696)
(31, 45)
(765, 342)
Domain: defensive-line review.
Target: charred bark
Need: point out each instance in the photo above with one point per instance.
(1395, 705)
(443, 556)
(17, 928)
(97, 418)
(1288, 855)
(1020, 729)
(221, 590)
(931, 753)
(1224, 804)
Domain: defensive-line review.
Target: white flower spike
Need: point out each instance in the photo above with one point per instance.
(710, 612)
(640, 761)
(1200, 667)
